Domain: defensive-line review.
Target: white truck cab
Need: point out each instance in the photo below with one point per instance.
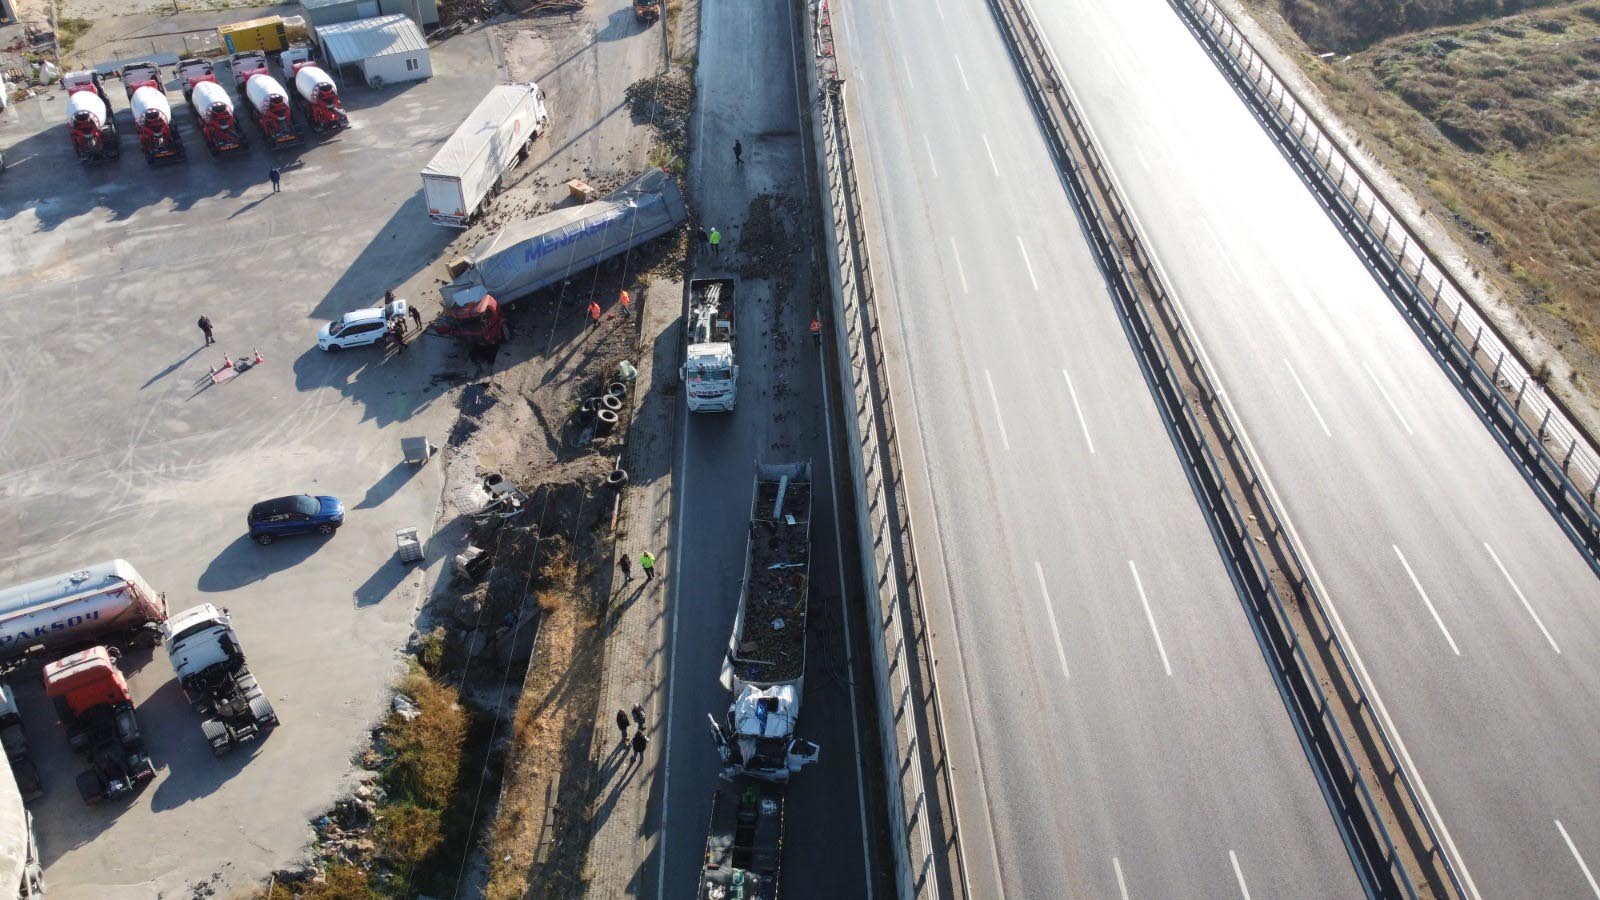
(709, 372)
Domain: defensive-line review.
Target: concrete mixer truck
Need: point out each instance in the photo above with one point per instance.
(267, 99)
(212, 107)
(89, 119)
(314, 91)
(152, 114)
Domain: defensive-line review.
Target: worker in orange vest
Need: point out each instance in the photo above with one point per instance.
(816, 329)
(594, 314)
(626, 302)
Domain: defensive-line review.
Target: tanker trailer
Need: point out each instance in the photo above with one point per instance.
(212, 107)
(105, 603)
(152, 114)
(91, 124)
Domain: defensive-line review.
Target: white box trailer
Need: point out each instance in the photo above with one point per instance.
(495, 136)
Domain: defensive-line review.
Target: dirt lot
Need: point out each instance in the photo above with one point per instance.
(1495, 127)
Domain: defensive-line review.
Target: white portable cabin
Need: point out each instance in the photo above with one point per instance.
(385, 49)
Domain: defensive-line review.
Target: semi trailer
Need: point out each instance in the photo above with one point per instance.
(495, 136)
(105, 603)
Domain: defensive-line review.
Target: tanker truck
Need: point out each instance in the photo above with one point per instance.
(314, 91)
(98, 604)
(152, 114)
(535, 253)
(212, 107)
(267, 99)
(765, 666)
(92, 126)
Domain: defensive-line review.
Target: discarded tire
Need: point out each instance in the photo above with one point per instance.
(612, 402)
(588, 404)
(617, 478)
(605, 420)
(617, 389)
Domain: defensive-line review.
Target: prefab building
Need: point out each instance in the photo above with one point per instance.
(331, 12)
(384, 50)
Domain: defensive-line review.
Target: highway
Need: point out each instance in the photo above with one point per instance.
(1474, 614)
(1114, 728)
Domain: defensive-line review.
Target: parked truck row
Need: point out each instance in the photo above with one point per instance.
(79, 623)
(92, 125)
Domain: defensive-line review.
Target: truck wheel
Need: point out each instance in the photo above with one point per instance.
(216, 735)
(262, 710)
(90, 787)
(263, 539)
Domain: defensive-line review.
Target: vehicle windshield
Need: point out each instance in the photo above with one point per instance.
(719, 373)
(307, 504)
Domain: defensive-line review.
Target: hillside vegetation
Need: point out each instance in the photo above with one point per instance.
(1498, 123)
(1346, 25)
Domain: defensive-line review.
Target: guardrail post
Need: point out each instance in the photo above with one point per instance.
(1494, 377)
(1517, 406)
(1571, 449)
(1544, 421)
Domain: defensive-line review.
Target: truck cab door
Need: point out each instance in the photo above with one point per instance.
(801, 753)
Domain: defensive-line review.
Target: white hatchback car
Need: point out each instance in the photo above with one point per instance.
(360, 327)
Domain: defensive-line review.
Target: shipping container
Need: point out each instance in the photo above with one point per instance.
(267, 35)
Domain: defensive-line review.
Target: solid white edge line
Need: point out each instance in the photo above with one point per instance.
(1027, 262)
(844, 612)
(999, 420)
(961, 70)
(940, 7)
(1525, 604)
(1424, 595)
(1151, 617)
(961, 271)
(1244, 889)
(1573, 849)
(1309, 402)
(1121, 885)
(911, 82)
(1387, 399)
(993, 166)
(1082, 423)
(672, 664)
(1370, 687)
(1061, 650)
(932, 163)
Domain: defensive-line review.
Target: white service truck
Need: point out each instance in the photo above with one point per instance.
(710, 373)
(765, 666)
(496, 135)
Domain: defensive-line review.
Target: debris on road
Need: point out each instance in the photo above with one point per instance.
(767, 241)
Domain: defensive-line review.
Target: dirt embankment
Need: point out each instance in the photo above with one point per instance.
(1495, 126)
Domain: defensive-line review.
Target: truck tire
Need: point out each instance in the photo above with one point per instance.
(265, 715)
(90, 787)
(217, 736)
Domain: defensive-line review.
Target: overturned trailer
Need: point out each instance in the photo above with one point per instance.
(525, 256)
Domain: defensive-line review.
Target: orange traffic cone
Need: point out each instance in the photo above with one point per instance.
(259, 360)
(226, 362)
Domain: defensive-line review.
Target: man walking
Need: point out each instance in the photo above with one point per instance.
(416, 316)
(640, 744)
(205, 329)
(647, 562)
(638, 716)
(594, 314)
(716, 240)
(622, 725)
(700, 236)
(275, 175)
(626, 565)
(738, 153)
(626, 303)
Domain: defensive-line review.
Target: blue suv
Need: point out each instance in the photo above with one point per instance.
(299, 514)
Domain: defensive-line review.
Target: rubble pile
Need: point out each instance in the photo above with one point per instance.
(780, 565)
(662, 103)
(462, 13)
(765, 240)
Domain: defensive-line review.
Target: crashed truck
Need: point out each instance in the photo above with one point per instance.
(525, 256)
(765, 666)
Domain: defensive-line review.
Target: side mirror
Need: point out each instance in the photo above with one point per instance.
(681, 373)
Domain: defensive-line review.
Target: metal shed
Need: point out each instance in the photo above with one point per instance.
(331, 12)
(386, 49)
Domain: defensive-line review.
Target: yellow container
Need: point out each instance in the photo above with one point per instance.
(267, 35)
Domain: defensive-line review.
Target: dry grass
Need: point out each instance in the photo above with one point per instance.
(68, 30)
(339, 883)
(1346, 25)
(1499, 124)
(427, 749)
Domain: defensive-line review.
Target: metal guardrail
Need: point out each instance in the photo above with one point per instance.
(890, 570)
(1117, 241)
(1536, 429)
